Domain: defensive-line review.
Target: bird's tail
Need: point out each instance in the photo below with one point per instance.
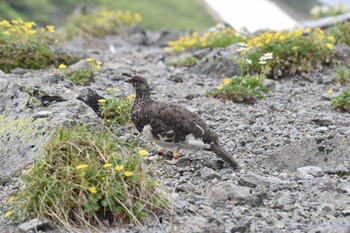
(224, 155)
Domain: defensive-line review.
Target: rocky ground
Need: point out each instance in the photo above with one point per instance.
(290, 144)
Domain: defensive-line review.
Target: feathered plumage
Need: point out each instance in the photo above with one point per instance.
(172, 126)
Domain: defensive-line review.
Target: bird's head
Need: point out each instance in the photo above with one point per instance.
(140, 84)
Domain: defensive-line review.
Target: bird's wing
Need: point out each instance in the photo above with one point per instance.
(173, 123)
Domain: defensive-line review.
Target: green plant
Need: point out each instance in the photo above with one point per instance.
(87, 179)
(293, 52)
(184, 62)
(341, 33)
(212, 39)
(245, 88)
(116, 110)
(342, 101)
(23, 45)
(342, 74)
(241, 89)
(318, 12)
(84, 75)
(99, 23)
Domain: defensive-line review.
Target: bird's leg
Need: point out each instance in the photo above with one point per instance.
(176, 158)
(159, 155)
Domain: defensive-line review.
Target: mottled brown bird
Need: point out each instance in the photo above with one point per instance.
(173, 127)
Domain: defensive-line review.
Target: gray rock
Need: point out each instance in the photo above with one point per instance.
(344, 187)
(220, 62)
(309, 172)
(253, 180)
(18, 71)
(35, 225)
(281, 199)
(227, 191)
(271, 84)
(346, 211)
(82, 64)
(33, 106)
(331, 154)
(325, 207)
(322, 129)
(209, 174)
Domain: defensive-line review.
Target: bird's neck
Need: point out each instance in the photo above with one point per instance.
(142, 97)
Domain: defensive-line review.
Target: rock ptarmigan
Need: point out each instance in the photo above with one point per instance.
(173, 127)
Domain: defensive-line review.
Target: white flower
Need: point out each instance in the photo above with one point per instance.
(324, 9)
(242, 44)
(242, 49)
(268, 56)
(248, 61)
(315, 10)
(262, 61)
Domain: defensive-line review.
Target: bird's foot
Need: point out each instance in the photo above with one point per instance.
(155, 155)
(175, 159)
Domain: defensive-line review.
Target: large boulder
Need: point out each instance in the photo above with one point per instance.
(31, 108)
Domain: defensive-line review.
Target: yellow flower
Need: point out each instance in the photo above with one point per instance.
(29, 25)
(4, 23)
(93, 190)
(243, 53)
(97, 67)
(319, 31)
(282, 38)
(330, 91)
(143, 152)
(137, 17)
(329, 45)
(7, 33)
(298, 33)
(108, 89)
(11, 199)
(81, 166)
(331, 38)
(131, 97)
(119, 167)
(98, 63)
(127, 173)
(107, 165)
(220, 88)
(227, 81)
(90, 59)
(14, 21)
(51, 28)
(8, 214)
(62, 66)
(102, 101)
(295, 48)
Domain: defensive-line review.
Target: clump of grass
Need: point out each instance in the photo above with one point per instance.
(184, 62)
(241, 89)
(116, 111)
(293, 52)
(245, 88)
(342, 101)
(88, 179)
(24, 45)
(342, 75)
(341, 33)
(84, 75)
(321, 11)
(212, 39)
(100, 23)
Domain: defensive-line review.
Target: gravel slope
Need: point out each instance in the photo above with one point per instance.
(290, 146)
